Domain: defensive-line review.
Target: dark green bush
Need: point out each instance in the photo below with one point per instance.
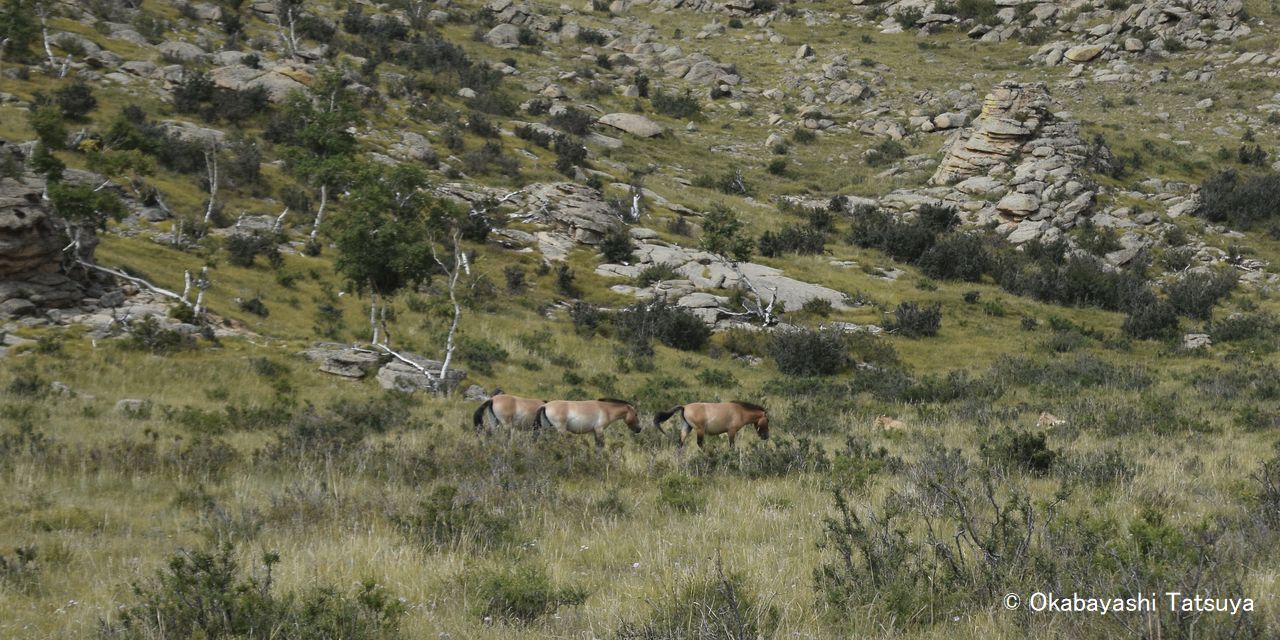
(798, 239)
(914, 321)
(659, 320)
(674, 105)
(1195, 293)
(148, 335)
(480, 354)
(1242, 201)
(524, 593)
(617, 246)
(243, 249)
(207, 595)
(1019, 449)
(1155, 321)
(657, 273)
(810, 352)
(573, 121)
(75, 100)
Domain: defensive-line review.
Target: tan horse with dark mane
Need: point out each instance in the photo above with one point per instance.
(512, 411)
(587, 416)
(715, 418)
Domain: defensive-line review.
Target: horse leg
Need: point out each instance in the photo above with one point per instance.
(701, 439)
(599, 433)
(733, 437)
(684, 432)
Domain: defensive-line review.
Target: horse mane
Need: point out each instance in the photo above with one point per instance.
(749, 406)
(614, 401)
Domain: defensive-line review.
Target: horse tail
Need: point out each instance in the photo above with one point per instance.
(477, 418)
(540, 419)
(662, 416)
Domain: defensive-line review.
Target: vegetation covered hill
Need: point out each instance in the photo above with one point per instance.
(239, 241)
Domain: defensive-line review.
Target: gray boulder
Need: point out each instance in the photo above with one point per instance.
(343, 360)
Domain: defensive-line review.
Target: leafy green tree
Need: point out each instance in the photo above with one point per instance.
(18, 28)
(388, 230)
(81, 204)
(50, 129)
(75, 100)
(46, 164)
(724, 234)
(316, 144)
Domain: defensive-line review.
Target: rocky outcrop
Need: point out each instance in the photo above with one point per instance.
(1150, 25)
(578, 209)
(31, 250)
(1011, 115)
(344, 360)
(636, 125)
(700, 271)
(402, 377)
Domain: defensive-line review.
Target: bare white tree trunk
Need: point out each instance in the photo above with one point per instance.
(315, 226)
(48, 50)
(211, 168)
(186, 284)
(279, 223)
(202, 284)
(373, 318)
(290, 38)
(459, 265)
(758, 309)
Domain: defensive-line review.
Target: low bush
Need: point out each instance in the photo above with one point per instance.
(1241, 200)
(681, 493)
(444, 520)
(523, 593)
(706, 606)
(1195, 293)
(797, 239)
(674, 105)
(206, 594)
(657, 273)
(659, 320)
(1019, 449)
(915, 321)
(1155, 321)
(617, 246)
(809, 352)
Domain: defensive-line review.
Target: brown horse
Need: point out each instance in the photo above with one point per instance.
(715, 418)
(587, 416)
(512, 411)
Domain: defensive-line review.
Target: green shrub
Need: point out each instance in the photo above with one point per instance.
(681, 493)
(617, 246)
(75, 100)
(706, 607)
(914, 321)
(148, 335)
(671, 325)
(524, 593)
(798, 239)
(957, 256)
(443, 520)
(908, 17)
(809, 352)
(1242, 201)
(480, 354)
(1020, 449)
(208, 595)
(1195, 293)
(674, 105)
(885, 152)
(717, 378)
(1155, 321)
(723, 233)
(657, 273)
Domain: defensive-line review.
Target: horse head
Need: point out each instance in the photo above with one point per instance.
(762, 426)
(632, 419)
